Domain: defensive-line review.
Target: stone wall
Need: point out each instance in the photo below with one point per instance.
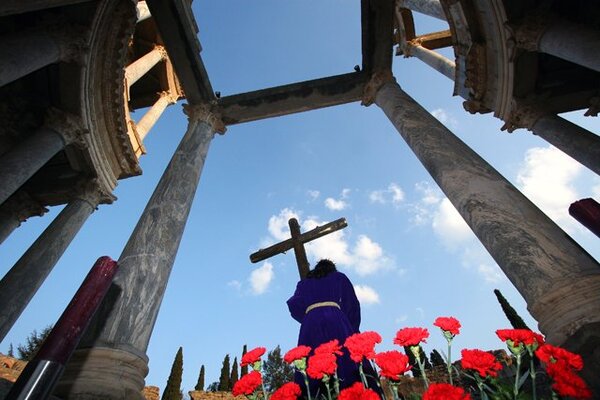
(202, 395)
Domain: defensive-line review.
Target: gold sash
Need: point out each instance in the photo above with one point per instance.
(322, 304)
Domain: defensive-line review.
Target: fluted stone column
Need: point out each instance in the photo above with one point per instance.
(581, 144)
(142, 65)
(433, 59)
(25, 52)
(26, 158)
(111, 361)
(24, 279)
(433, 8)
(153, 114)
(16, 210)
(558, 279)
(564, 39)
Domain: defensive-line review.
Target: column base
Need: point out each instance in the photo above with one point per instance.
(103, 374)
(586, 342)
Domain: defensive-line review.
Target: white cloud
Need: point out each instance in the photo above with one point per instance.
(261, 278)
(490, 273)
(335, 205)
(366, 295)
(401, 319)
(237, 285)
(445, 117)
(420, 311)
(345, 193)
(394, 192)
(278, 224)
(450, 226)
(314, 194)
(424, 209)
(547, 177)
(368, 256)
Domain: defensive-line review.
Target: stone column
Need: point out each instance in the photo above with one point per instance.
(16, 210)
(581, 144)
(111, 361)
(559, 280)
(142, 65)
(23, 280)
(558, 37)
(153, 114)
(26, 158)
(25, 52)
(433, 8)
(431, 58)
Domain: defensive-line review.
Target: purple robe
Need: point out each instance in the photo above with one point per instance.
(323, 324)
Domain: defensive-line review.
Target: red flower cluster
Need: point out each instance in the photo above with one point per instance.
(393, 364)
(445, 391)
(331, 347)
(252, 356)
(358, 392)
(554, 354)
(287, 391)
(321, 364)
(247, 383)
(448, 324)
(481, 361)
(566, 382)
(518, 336)
(411, 336)
(362, 345)
(297, 353)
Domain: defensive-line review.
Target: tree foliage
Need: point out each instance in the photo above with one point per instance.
(27, 351)
(200, 383)
(224, 379)
(173, 388)
(276, 370)
(515, 319)
(233, 377)
(213, 387)
(436, 358)
(244, 369)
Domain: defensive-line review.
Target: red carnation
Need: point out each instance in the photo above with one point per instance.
(362, 345)
(411, 336)
(247, 383)
(287, 391)
(297, 353)
(448, 324)
(518, 336)
(358, 392)
(393, 364)
(320, 365)
(331, 347)
(483, 362)
(566, 382)
(252, 356)
(445, 391)
(553, 354)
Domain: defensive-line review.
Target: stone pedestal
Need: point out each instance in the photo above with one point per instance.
(22, 281)
(558, 279)
(122, 327)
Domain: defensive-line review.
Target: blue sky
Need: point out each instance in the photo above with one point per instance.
(407, 251)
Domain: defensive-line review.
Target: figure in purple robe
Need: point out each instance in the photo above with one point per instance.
(327, 308)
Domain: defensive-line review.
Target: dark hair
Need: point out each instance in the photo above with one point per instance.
(323, 268)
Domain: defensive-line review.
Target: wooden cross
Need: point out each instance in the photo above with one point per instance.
(297, 243)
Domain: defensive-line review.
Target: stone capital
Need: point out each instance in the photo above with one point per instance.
(92, 193)
(523, 114)
(69, 126)
(208, 113)
(72, 41)
(528, 33)
(170, 97)
(378, 79)
(22, 206)
(163, 52)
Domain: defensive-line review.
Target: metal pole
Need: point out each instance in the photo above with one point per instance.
(41, 374)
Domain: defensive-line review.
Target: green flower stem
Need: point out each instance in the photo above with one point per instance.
(326, 381)
(532, 373)
(363, 378)
(394, 390)
(266, 396)
(336, 384)
(516, 388)
(423, 374)
(449, 362)
(306, 383)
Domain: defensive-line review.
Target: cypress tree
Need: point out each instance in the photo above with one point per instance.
(200, 384)
(224, 379)
(173, 388)
(416, 371)
(277, 372)
(234, 373)
(11, 351)
(244, 369)
(515, 320)
(436, 358)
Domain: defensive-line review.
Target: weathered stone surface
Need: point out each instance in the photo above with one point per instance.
(202, 395)
(151, 393)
